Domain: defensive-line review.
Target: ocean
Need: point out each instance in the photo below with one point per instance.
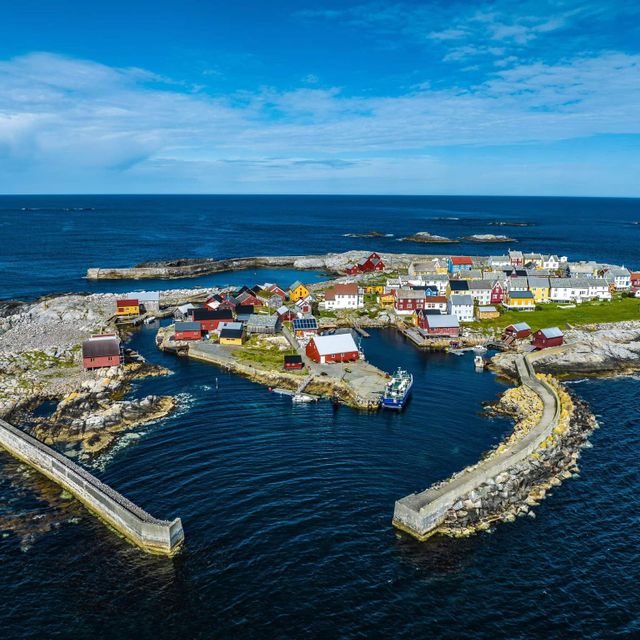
(287, 508)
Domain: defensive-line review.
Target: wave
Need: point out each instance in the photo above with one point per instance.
(36, 209)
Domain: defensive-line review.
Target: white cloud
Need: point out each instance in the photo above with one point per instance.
(66, 122)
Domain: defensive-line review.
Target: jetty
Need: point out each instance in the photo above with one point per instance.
(146, 532)
(422, 514)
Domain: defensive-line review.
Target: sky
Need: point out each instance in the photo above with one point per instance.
(301, 96)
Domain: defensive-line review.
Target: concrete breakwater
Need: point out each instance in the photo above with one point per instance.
(514, 477)
(145, 531)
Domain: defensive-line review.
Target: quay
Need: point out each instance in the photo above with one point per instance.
(148, 533)
(422, 514)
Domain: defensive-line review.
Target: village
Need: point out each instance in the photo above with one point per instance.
(304, 331)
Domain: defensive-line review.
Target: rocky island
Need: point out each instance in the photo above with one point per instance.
(488, 238)
(429, 238)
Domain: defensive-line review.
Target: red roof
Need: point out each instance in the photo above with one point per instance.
(341, 290)
(461, 260)
(127, 302)
(436, 299)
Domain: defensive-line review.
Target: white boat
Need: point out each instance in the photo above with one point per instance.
(150, 320)
(479, 362)
(479, 349)
(302, 397)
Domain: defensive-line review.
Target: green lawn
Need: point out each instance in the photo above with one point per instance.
(256, 352)
(550, 315)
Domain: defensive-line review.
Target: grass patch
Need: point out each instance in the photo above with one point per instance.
(551, 315)
(258, 351)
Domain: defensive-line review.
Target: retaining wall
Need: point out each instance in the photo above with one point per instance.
(148, 533)
(420, 514)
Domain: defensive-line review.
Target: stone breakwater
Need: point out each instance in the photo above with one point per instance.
(539, 454)
(145, 531)
(173, 269)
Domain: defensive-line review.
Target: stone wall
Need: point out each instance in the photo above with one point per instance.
(148, 533)
(511, 479)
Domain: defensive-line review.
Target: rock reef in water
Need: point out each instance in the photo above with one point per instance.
(369, 234)
(429, 238)
(507, 223)
(488, 237)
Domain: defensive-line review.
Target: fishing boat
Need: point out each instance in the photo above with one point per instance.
(397, 390)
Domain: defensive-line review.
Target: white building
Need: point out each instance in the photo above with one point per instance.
(579, 289)
(550, 262)
(480, 291)
(344, 296)
(461, 306)
(620, 277)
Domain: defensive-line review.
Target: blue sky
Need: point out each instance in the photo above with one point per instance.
(531, 98)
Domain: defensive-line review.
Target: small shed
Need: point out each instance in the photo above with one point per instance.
(517, 331)
(484, 313)
(101, 351)
(444, 325)
(148, 300)
(128, 307)
(231, 333)
(188, 330)
(543, 338)
(305, 327)
(293, 362)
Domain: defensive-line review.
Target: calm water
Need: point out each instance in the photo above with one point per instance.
(287, 508)
(50, 241)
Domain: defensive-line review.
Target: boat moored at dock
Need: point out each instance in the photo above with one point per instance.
(398, 390)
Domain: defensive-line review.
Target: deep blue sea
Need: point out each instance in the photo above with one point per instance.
(287, 508)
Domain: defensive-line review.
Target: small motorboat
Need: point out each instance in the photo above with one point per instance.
(479, 363)
(303, 397)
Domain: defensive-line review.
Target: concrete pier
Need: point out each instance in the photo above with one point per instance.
(145, 531)
(421, 514)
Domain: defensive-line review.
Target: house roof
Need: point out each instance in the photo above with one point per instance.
(294, 359)
(461, 300)
(295, 285)
(262, 320)
(487, 309)
(235, 326)
(436, 299)
(283, 310)
(410, 294)
(244, 309)
(457, 260)
(552, 332)
(341, 290)
(520, 326)
(187, 326)
(442, 321)
(540, 283)
(145, 296)
(337, 343)
(231, 333)
(521, 294)
(99, 346)
(211, 314)
(127, 302)
(459, 285)
(480, 284)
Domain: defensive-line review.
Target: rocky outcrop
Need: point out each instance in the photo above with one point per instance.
(488, 238)
(600, 350)
(429, 238)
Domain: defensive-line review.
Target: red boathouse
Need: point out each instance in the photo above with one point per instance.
(188, 330)
(335, 348)
(544, 338)
(101, 351)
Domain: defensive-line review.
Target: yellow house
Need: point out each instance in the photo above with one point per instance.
(540, 288)
(520, 301)
(386, 300)
(375, 288)
(297, 291)
(128, 307)
(232, 333)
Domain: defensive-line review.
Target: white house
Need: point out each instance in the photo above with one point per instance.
(550, 262)
(480, 291)
(620, 277)
(599, 289)
(499, 261)
(344, 296)
(461, 306)
(569, 290)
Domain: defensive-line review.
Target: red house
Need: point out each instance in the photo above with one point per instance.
(443, 325)
(409, 300)
(635, 281)
(209, 319)
(544, 338)
(366, 265)
(336, 348)
(101, 351)
(188, 330)
(497, 293)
